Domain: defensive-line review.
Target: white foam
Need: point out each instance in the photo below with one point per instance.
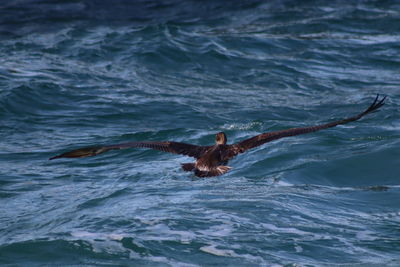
(289, 230)
(211, 249)
(365, 235)
(298, 248)
(100, 236)
(165, 233)
(241, 126)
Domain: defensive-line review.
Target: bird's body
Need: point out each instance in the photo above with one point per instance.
(212, 160)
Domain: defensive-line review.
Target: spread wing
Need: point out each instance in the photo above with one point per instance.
(172, 147)
(260, 139)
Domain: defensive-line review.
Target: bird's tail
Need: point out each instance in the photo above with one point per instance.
(213, 172)
(188, 167)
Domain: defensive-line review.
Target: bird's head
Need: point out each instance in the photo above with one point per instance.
(221, 138)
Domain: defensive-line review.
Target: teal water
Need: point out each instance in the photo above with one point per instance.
(75, 73)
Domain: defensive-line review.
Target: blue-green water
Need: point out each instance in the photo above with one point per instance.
(76, 73)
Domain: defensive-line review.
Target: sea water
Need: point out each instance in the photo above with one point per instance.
(83, 73)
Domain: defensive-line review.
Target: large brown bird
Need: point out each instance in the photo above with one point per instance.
(212, 160)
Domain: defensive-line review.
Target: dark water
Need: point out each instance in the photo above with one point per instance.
(76, 73)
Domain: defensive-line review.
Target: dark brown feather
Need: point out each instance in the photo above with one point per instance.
(260, 139)
(168, 146)
(172, 147)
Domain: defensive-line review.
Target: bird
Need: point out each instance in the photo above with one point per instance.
(212, 160)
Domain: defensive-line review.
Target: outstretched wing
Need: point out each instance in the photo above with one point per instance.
(172, 147)
(260, 139)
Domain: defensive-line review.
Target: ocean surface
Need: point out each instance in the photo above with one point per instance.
(81, 73)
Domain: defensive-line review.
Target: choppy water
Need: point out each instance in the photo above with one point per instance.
(75, 73)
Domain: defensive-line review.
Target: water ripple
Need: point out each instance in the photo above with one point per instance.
(76, 73)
